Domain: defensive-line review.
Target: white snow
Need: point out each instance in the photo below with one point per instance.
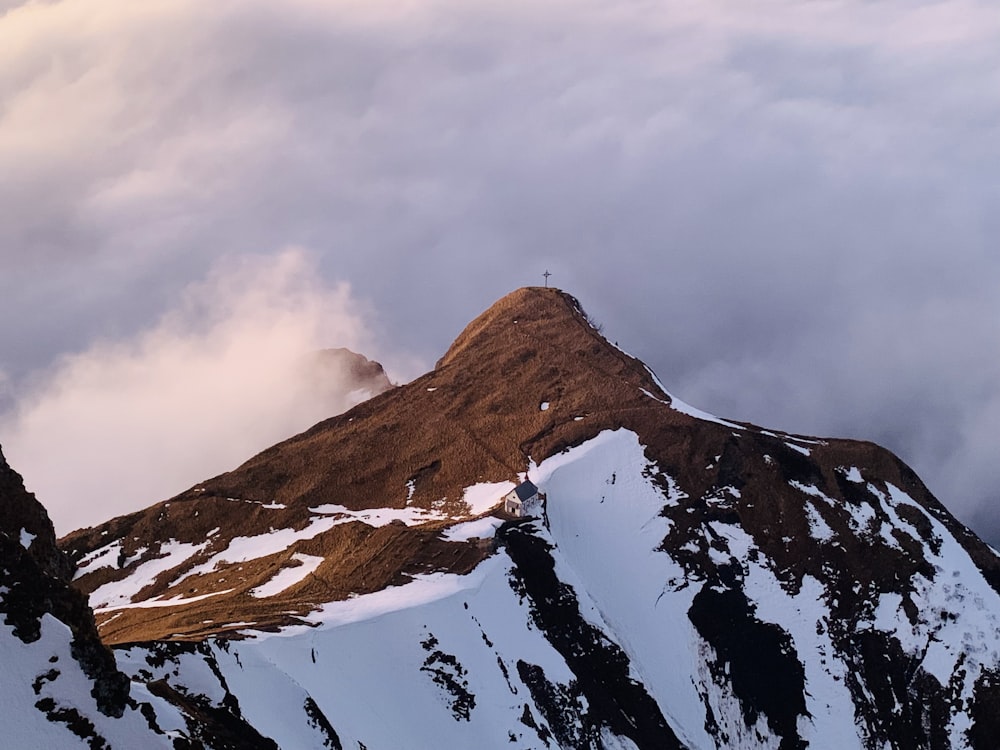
(26, 538)
(246, 548)
(156, 601)
(288, 577)
(955, 648)
(481, 528)
(819, 529)
(544, 406)
(599, 496)
(365, 660)
(864, 521)
(102, 557)
(799, 448)
(677, 405)
(45, 670)
(483, 497)
(424, 589)
(116, 594)
(377, 516)
(382, 693)
(809, 489)
(853, 474)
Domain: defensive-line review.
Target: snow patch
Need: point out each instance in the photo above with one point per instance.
(483, 497)
(799, 448)
(677, 405)
(819, 529)
(378, 516)
(853, 474)
(245, 548)
(115, 594)
(156, 601)
(102, 557)
(482, 528)
(816, 492)
(956, 648)
(288, 577)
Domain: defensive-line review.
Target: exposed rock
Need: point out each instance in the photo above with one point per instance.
(35, 580)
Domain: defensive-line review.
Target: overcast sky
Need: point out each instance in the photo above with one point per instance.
(788, 208)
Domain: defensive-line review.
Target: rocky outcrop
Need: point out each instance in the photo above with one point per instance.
(35, 580)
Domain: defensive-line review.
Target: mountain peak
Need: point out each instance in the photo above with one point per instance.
(528, 378)
(542, 309)
(770, 589)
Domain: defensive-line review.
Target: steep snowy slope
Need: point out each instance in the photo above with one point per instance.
(568, 637)
(690, 582)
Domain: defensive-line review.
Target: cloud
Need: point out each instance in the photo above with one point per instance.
(786, 208)
(225, 373)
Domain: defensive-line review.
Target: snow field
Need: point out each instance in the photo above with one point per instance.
(805, 617)
(368, 676)
(48, 663)
(595, 504)
(370, 662)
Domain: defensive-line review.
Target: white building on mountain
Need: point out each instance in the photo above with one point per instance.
(521, 500)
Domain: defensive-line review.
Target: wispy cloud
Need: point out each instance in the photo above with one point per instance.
(787, 208)
(225, 373)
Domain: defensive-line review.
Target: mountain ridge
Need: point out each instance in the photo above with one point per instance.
(760, 589)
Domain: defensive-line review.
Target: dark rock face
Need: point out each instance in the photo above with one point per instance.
(35, 577)
(758, 658)
(23, 517)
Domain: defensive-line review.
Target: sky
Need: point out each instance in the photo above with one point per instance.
(785, 207)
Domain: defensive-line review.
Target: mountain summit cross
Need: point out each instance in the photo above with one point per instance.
(546, 275)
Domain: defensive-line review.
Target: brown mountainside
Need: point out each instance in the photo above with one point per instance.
(528, 378)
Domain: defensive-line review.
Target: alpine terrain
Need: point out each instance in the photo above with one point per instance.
(534, 545)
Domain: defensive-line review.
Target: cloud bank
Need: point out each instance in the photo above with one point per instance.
(224, 374)
(786, 208)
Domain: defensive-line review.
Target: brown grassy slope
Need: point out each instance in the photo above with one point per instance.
(477, 417)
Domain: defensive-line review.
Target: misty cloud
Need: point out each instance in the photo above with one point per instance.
(787, 209)
(227, 372)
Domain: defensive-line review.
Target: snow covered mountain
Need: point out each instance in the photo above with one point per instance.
(686, 582)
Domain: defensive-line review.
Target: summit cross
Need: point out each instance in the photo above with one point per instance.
(546, 275)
